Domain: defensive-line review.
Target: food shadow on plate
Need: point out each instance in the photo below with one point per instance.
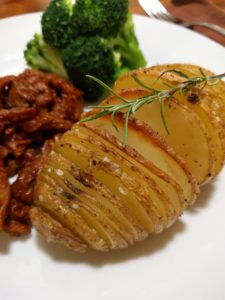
(204, 198)
(6, 241)
(97, 259)
(150, 246)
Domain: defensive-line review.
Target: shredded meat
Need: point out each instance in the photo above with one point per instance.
(35, 109)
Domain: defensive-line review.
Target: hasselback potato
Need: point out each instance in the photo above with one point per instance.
(96, 192)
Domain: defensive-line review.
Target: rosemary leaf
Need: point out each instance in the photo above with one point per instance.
(104, 85)
(113, 121)
(96, 116)
(143, 85)
(162, 113)
(172, 71)
(158, 96)
(125, 127)
(202, 72)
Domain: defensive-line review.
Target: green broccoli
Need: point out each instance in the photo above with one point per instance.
(56, 23)
(94, 17)
(126, 44)
(39, 55)
(94, 37)
(89, 55)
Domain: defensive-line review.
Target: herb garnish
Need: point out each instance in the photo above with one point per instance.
(154, 96)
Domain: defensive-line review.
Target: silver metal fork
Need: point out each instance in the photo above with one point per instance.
(155, 9)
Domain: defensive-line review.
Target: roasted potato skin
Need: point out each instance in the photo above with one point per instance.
(208, 106)
(133, 193)
(95, 192)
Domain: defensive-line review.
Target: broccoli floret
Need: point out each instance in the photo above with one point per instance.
(89, 56)
(99, 17)
(94, 37)
(126, 44)
(39, 55)
(56, 23)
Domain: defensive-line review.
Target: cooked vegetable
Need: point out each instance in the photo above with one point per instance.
(55, 23)
(126, 45)
(108, 194)
(39, 55)
(180, 119)
(89, 55)
(88, 37)
(206, 107)
(104, 18)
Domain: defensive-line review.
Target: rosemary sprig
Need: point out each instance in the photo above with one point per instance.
(131, 106)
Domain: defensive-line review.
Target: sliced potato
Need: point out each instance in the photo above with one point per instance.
(58, 171)
(105, 199)
(209, 109)
(46, 196)
(53, 231)
(157, 200)
(94, 191)
(180, 119)
(159, 179)
(112, 176)
(77, 180)
(153, 148)
(75, 199)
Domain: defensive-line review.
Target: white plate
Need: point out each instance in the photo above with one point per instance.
(185, 262)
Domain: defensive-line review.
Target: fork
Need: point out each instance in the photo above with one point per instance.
(156, 10)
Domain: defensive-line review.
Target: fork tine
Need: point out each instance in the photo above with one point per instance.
(157, 10)
(166, 17)
(161, 16)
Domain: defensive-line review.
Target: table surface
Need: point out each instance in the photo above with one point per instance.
(10, 8)
(15, 7)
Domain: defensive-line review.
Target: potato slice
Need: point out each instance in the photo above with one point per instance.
(116, 180)
(157, 200)
(71, 189)
(46, 196)
(159, 179)
(80, 180)
(75, 195)
(180, 120)
(85, 210)
(217, 91)
(209, 110)
(53, 231)
(95, 192)
(73, 198)
(154, 149)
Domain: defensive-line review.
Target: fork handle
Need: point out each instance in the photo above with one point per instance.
(212, 27)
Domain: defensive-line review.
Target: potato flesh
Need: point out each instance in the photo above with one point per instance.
(147, 146)
(57, 189)
(160, 180)
(113, 183)
(97, 233)
(53, 231)
(129, 192)
(134, 205)
(100, 197)
(208, 109)
(186, 130)
(107, 198)
(159, 200)
(49, 201)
